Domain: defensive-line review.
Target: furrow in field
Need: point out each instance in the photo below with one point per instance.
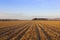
(12, 30)
(21, 34)
(28, 34)
(6, 29)
(3, 33)
(8, 37)
(35, 33)
(45, 32)
(54, 29)
(52, 34)
(38, 34)
(42, 35)
(9, 32)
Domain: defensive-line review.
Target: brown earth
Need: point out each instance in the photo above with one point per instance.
(29, 30)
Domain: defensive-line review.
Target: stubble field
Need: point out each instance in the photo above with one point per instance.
(29, 30)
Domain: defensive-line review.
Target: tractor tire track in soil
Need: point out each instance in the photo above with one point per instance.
(38, 34)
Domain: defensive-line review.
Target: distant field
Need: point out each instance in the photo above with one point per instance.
(29, 30)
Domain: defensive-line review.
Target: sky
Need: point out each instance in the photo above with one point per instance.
(28, 9)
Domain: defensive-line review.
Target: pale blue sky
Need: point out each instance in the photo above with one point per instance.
(27, 9)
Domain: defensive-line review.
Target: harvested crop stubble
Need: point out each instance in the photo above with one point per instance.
(30, 30)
